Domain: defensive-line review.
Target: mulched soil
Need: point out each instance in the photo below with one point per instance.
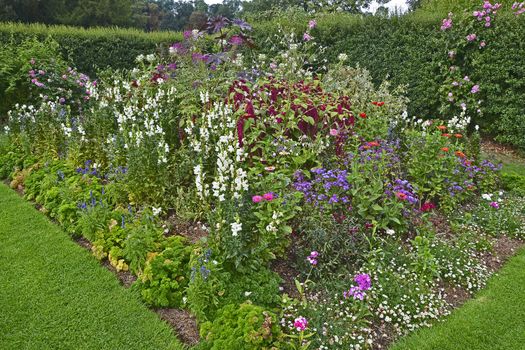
(183, 323)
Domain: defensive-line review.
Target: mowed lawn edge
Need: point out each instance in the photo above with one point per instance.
(494, 319)
(55, 295)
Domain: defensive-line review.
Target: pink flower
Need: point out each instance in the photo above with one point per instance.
(300, 323)
(471, 37)
(307, 37)
(482, 44)
(334, 132)
(475, 89)
(446, 24)
(257, 199)
(268, 196)
(494, 205)
(312, 24)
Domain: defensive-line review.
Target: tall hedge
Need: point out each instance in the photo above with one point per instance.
(95, 48)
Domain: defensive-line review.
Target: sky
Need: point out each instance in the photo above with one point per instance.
(392, 4)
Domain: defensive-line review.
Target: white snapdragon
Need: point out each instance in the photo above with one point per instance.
(236, 227)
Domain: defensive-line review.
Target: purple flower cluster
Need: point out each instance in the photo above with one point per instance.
(364, 283)
(384, 155)
(87, 169)
(403, 190)
(326, 189)
(312, 258)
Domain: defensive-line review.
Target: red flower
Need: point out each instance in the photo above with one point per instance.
(458, 136)
(362, 115)
(445, 135)
(445, 149)
(374, 103)
(373, 144)
(427, 206)
(460, 154)
(380, 104)
(442, 127)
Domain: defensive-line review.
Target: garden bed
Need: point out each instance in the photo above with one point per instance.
(265, 202)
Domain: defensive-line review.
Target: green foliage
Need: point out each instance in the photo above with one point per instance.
(142, 239)
(241, 327)
(165, 275)
(513, 182)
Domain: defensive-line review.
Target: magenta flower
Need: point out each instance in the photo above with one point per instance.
(269, 196)
(471, 37)
(312, 259)
(236, 40)
(312, 24)
(257, 199)
(494, 205)
(363, 281)
(475, 89)
(334, 132)
(300, 323)
(307, 37)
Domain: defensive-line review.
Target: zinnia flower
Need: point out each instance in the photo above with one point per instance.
(401, 196)
(445, 149)
(257, 199)
(268, 196)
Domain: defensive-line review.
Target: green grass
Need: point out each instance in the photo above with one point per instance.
(55, 295)
(494, 320)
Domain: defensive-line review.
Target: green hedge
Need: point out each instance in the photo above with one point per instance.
(410, 49)
(95, 48)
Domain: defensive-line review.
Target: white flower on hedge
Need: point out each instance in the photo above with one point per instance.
(140, 58)
(150, 58)
(342, 57)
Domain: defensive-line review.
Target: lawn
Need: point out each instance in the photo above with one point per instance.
(495, 319)
(55, 295)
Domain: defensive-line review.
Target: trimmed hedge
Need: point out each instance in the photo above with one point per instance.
(95, 48)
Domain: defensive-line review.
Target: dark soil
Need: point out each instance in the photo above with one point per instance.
(193, 231)
(184, 324)
(285, 269)
(504, 248)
